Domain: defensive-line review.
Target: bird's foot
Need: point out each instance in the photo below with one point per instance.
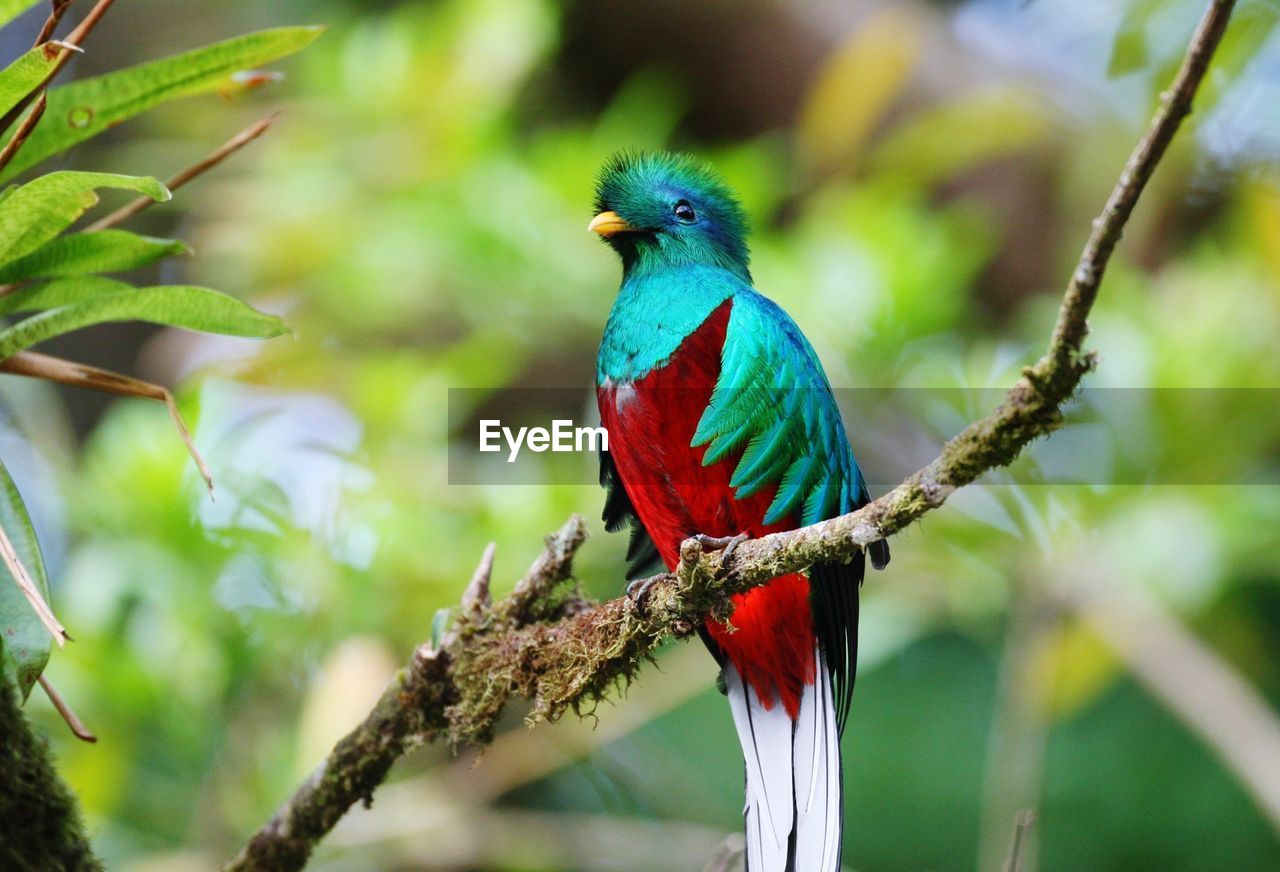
(728, 543)
(638, 589)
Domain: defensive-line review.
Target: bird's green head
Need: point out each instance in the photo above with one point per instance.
(661, 209)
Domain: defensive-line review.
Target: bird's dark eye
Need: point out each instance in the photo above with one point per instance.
(684, 212)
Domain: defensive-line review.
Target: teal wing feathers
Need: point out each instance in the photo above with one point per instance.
(772, 402)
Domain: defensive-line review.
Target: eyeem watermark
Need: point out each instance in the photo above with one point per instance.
(563, 437)
(1111, 436)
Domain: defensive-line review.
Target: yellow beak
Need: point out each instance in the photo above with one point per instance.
(609, 224)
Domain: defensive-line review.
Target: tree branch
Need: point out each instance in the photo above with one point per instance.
(545, 644)
(40, 825)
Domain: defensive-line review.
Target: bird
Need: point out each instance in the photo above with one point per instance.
(722, 424)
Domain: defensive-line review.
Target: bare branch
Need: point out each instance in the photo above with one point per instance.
(217, 156)
(568, 656)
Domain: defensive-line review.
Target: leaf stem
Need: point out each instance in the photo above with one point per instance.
(24, 130)
(80, 375)
(59, 8)
(217, 156)
(73, 721)
(21, 577)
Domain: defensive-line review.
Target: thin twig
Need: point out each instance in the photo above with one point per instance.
(224, 151)
(1022, 823)
(88, 23)
(59, 8)
(80, 375)
(1175, 105)
(9, 556)
(1019, 730)
(573, 657)
(20, 135)
(73, 721)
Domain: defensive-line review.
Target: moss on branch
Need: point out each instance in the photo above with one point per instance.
(40, 826)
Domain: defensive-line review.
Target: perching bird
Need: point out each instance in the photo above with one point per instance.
(721, 423)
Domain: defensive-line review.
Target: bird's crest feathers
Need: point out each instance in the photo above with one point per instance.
(645, 187)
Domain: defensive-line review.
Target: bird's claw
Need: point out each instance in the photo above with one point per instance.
(728, 543)
(639, 588)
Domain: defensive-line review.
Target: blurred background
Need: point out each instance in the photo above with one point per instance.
(921, 177)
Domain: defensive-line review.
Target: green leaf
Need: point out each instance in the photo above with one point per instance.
(24, 640)
(11, 9)
(61, 292)
(85, 300)
(41, 209)
(76, 254)
(84, 109)
(24, 75)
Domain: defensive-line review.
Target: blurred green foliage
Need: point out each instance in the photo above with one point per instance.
(419, 217)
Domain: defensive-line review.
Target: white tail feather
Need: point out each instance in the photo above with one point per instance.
(765, 736)
(793, 812)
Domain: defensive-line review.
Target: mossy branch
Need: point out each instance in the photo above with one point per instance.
(545, 644)
(40, 826)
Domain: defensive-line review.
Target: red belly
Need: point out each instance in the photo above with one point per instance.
(651, 425)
